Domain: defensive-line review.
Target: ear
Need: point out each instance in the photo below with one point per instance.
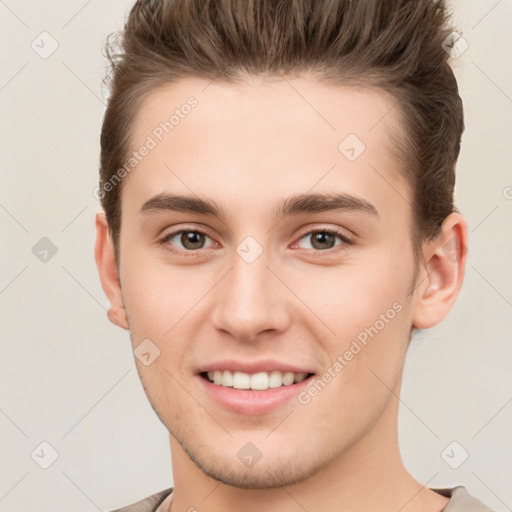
(442, 273)
(107, 267)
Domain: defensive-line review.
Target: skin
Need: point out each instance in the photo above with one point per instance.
(247, 146)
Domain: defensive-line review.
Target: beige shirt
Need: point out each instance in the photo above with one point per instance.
(460, 501)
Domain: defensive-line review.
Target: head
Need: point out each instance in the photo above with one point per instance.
(265, 115)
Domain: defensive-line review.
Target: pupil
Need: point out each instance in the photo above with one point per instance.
(193, 238)
(323, 238)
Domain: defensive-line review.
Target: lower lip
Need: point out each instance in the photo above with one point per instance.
(250, 401)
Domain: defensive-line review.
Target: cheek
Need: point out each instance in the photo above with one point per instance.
(156, 296)
(353, 296)
(367, 312)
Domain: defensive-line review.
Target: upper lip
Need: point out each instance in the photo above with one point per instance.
(252, 366)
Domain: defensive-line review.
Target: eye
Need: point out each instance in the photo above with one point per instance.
(324, 239)
(190, 240)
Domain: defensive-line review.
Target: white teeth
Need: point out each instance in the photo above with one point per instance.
(227, 378)
(275, 380)
(241, 380)
(258, 381)
(288, 378)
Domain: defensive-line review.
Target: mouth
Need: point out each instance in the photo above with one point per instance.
(260, 381)
(252, 393)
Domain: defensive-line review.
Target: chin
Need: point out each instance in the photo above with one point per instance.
(271, 471)
(264, 476)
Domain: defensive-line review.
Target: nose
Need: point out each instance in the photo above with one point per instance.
(251, 300)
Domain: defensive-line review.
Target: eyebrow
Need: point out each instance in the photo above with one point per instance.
(294, 205)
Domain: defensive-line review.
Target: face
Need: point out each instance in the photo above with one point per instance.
(245, 276)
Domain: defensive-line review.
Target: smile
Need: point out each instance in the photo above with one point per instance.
(255, 393)
(260, 381)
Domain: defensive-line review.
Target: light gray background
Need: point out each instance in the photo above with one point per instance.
(67, 375)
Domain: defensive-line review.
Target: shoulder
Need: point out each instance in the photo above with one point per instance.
(148, 504)
(462, 501)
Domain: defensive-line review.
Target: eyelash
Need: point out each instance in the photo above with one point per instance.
(316, 252)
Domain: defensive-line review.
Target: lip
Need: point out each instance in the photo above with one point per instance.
(264, 365)
(251, 402)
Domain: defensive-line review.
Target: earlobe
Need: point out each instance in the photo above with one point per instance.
(443, 273)
(108, 271)
(118, 317)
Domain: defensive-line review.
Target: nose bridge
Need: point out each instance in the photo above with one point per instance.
(250, 300)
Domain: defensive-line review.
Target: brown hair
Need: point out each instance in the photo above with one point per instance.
(397, 45)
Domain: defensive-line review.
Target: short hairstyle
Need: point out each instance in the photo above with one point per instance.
(395, 45)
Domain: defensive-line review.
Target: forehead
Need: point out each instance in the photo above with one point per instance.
(304, 107)
(265, 136)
